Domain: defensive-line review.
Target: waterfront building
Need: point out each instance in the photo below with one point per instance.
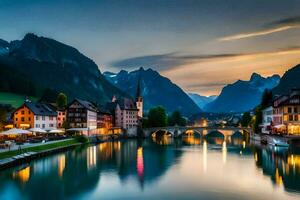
(82, 114)
(104, 118)
(286, 113)
(61, 115)
(125, 113)
(34, 115)
(267, 120)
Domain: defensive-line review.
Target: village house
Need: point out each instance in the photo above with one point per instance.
(82, 114)
(34, 115)
(288, 107)
(61, 115)
(285, 115)
(125, 113)
(267, 114)
(104, 118)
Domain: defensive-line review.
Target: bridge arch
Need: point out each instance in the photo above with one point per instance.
(215, 133)
(191, 132)
(161, 132)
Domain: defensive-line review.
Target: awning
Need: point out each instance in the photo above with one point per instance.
(15, 131)
(78, 129)
(37, 130)
(56, 131)
(279, 126)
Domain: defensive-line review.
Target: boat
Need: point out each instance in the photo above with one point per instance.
(278, 141)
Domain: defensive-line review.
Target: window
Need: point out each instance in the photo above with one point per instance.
(29, 112)
(51, 118)
(29, 119)
(43, 125)
(295, 110)
(43, 118)
(296, 117)
(289, 110)
(290, 117)
(51, 125)
(22, 112)
(37, 118)
(16, 119)
(22, 119)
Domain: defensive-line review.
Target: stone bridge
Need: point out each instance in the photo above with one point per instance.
(177, 131)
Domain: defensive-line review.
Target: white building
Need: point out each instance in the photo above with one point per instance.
(267, 118)
(35, 115)
(82, 114)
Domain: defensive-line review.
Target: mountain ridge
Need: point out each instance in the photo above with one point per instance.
(156, 90)
(241, 95)
(50, 64)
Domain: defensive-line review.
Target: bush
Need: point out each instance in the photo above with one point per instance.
(81, 139)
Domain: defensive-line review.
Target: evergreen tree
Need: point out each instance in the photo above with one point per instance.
(157, 117)
(61, 100)
(246, 119)
(176, 119)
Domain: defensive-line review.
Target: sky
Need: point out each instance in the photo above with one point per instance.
(201, 45)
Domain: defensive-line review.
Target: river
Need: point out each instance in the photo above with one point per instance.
(187, 168)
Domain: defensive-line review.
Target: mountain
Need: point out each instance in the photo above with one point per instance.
(290, 80)
(34, 65)
(242, 95)
(156, 90)
(201, 101)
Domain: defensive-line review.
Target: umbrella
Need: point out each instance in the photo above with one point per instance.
(55, 131)
(37, 130)
(15, 131)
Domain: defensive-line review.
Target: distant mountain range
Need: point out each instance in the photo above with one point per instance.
(202, 101)
(156, 90)
(290, 80)
(34, 65)
(242, 95)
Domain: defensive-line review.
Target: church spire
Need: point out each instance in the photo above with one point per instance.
(138, 89)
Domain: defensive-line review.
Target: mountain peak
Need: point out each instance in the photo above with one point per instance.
(255, 76)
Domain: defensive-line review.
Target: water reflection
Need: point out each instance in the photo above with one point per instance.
(160, 165)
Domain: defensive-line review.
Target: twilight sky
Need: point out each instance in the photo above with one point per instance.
(201, 45)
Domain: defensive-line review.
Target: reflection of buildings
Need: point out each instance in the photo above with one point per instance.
(282, 167)
(140, 164)
(61, 164)
(23, 175)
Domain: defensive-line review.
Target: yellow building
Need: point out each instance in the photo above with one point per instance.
(289, 108)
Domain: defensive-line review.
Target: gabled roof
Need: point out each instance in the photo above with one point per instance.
(124, 103)
(88, 105)
(39, 109)
(127, 104)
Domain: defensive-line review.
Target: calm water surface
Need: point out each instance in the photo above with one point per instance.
(189, 168)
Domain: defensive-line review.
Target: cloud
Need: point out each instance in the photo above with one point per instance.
(273, 27)
(163, 62)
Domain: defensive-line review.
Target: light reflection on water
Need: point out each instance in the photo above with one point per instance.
(186, 168)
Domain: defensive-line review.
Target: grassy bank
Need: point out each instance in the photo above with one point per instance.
(39, 148)
(15, 100)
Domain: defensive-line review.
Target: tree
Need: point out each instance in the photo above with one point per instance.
(246, 119)
(257, 119)
(176, 119)
(61, 100)
(3, 116)
(157, 117)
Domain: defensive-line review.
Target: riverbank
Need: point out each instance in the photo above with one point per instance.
(15, 157)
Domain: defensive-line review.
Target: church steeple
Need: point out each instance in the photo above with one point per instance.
(139, 98)
(138, 88)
